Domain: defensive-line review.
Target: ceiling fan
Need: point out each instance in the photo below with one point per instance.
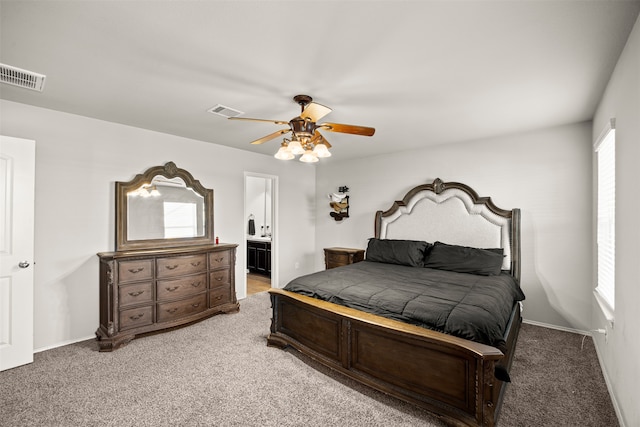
(306, 138)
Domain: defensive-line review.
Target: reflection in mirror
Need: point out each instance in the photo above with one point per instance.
(165, 209)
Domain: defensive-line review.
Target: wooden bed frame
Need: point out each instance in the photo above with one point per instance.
(449, 376)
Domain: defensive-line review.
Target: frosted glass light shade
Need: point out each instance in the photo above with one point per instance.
(284, 154)
(321, 150)
(308, 157)
(295, 147)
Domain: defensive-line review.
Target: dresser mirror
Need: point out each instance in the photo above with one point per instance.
(164, 207)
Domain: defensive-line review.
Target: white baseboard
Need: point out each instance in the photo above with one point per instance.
(559, 328)
(62, 344)
(616, 407)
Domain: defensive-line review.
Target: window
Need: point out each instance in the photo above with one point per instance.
(605, 148)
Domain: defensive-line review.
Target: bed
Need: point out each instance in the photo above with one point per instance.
(429, 358)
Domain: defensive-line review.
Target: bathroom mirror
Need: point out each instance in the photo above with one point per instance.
(163, 207)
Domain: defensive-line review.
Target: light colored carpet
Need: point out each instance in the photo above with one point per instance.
(219, 372)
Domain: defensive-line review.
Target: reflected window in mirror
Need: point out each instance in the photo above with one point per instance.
(180, 220)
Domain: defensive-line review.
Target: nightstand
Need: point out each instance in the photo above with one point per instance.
(337, 257)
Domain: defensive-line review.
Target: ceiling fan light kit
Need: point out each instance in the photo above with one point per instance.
(306, 139)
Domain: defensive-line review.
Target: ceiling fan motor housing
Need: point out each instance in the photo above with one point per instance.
(302, 127)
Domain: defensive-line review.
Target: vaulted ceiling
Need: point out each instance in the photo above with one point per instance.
(421, 73)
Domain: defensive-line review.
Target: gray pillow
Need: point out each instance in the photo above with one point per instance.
(403, 252)
(464, 259)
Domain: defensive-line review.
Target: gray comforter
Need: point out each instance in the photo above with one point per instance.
(468, 306)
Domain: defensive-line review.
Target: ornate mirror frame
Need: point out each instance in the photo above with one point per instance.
(169, 171)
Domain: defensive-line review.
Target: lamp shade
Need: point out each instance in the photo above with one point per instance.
(308, 157)
(321, 150)
(284, 153)
(295, 147)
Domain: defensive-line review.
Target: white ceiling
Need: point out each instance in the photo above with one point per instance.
(421, 73)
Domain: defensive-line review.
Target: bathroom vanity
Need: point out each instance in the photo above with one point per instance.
(259, 256)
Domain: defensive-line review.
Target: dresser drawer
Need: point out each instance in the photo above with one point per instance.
(181, 265)
(131, 271)
(135, 317)
(137, 293)
(174, 310)
(219, 296)
(219, 278)
(219, 259)
(171, 289)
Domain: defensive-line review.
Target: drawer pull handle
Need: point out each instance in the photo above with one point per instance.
(195, 305)
(219, 278)
(196, 284)
(219, 259)
(172, 310)
(172, 288)
(195, 264)
(136, 270)
(171, 267)
(219, 297)
(135, 294)
(136, 317)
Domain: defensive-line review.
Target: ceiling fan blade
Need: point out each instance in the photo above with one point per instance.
(271, 136)
(315, 111)
(318, 138)
(278, 122)
(356, 130)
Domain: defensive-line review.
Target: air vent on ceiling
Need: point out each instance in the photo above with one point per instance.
(22, 78)
(223, 111)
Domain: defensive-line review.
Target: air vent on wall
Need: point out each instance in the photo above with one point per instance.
(223, 111)
(22, 78)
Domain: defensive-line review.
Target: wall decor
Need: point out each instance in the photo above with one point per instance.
(339, 202)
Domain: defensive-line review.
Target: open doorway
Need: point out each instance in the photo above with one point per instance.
(260, 231)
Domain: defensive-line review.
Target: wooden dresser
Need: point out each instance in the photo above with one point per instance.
(150, 290)
(337, 257)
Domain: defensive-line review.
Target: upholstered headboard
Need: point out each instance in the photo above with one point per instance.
(451, 212)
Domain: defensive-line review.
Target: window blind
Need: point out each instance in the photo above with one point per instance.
(606, 224)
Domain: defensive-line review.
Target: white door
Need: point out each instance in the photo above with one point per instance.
(17, 179)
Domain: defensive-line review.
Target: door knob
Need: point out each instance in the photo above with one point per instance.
(23, 264)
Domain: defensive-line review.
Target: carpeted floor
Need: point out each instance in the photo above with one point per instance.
(219, 372)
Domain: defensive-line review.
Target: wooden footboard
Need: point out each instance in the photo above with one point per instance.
(449, 376)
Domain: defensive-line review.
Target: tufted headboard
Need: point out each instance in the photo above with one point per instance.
(451, 212)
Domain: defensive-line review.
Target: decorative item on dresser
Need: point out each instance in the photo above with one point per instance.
(166, 270)
(337, 257)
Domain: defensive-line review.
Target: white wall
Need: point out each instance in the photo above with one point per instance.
(546, 173)
(620, 354)
(78, 159)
